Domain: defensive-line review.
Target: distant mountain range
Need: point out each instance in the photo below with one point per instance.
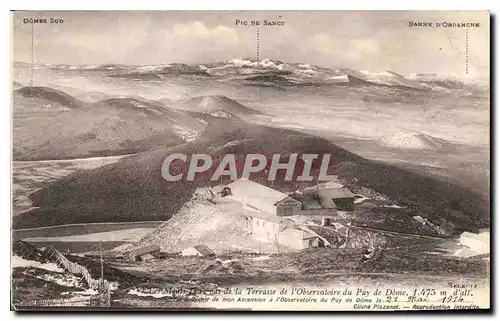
(270, 71)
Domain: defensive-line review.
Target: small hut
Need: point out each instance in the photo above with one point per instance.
(198, 250)
(144, 253)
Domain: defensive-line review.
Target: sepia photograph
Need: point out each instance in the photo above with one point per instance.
(250, 160)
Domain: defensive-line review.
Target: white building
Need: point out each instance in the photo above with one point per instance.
(298, 239)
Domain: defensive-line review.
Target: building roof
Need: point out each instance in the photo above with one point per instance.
(311, 204)
(245, 188)
(147, 256)
(255, 194)
(335, 193)
(330, 190)
(330, 184)
(289, 201)
(420, 219)
(144, 250)
(203, 249)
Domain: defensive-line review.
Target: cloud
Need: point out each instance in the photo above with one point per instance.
(360, 40)
(366, 53)
(352, 53)
(364, 46)
(198, 29)
(322, 43)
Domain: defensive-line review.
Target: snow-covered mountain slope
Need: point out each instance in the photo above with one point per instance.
(414, 141)
(268, 71)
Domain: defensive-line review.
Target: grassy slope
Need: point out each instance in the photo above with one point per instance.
(49, 124)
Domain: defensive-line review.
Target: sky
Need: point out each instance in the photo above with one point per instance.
(363, 40)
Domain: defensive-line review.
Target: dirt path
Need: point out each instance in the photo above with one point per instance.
(399, 233)
(71, 160)
(81, 229)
